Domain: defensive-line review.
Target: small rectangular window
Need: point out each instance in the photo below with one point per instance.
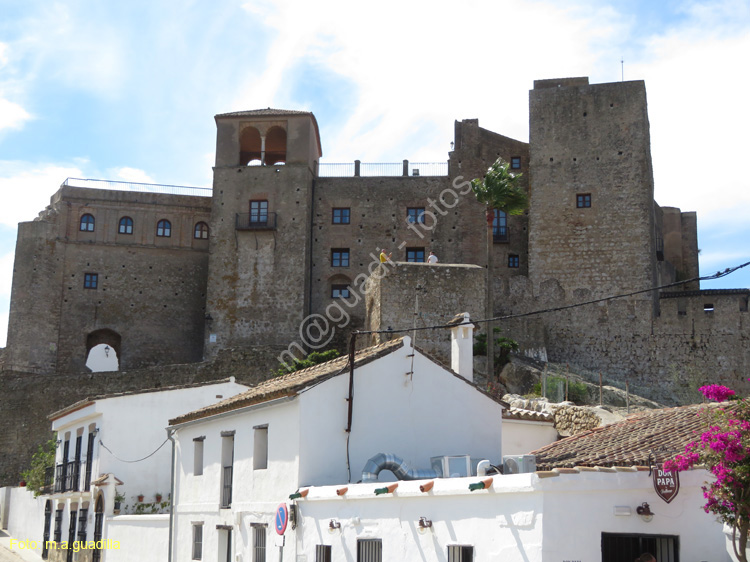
(260, 447)
(227, 469)
(708, 307)
(513, 261)
(369, 550)
(583, 200)
(415, 255)
(90, 280)
(198, 540)
(340, 257)
(340, 291)
(322, 553)
(259, 212)
(415, 214)
(198, 456)
(515, 163)
(341, 215)
(460, 553)
(259, 543)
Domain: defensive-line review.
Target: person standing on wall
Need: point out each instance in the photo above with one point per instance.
(432, 257)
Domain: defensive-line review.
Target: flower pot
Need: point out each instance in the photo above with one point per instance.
(140, 498)
(158, 498)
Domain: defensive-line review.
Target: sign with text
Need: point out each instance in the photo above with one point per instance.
(666, 483)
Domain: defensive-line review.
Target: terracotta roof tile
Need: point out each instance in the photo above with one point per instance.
(527, 415)
(291, 384)
(661, 433)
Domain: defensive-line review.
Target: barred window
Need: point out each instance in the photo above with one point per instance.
(197, 541)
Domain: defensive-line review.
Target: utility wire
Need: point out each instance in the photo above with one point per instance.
(717, 275)
(139, 460)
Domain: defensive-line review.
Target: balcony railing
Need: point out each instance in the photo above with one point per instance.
(226, 489)
(49, 480)
(67, 477)
(500, 234)
(250, 221)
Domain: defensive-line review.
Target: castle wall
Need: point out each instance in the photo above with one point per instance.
(436, 292)
(150, 290)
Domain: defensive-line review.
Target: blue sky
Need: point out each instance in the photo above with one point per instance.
(128, 90)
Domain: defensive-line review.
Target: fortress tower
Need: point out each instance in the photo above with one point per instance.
(591, 220)
(259, 256)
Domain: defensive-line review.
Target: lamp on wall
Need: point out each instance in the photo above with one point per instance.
(106, 351)
(644, 510)
(333, 526)
(424, 524)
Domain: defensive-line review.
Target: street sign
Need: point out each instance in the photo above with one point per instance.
(666, 483)
(282, 518)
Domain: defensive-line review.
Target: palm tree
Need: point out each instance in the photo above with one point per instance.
(499, 189)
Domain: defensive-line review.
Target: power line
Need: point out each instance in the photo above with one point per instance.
(139, 460)
(717, 275)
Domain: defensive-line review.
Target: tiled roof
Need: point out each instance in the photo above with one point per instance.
(661, 433)
(91, 399)
(291, 384)
(527, 415)
(267, 112)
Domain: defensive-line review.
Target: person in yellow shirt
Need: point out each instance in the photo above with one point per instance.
(383, 257)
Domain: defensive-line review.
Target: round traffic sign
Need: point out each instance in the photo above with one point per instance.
(282, 517)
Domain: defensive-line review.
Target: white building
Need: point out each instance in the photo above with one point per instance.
(238, 460)
(108, 446)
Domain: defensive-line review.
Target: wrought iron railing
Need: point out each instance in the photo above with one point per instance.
(49, 479)
(67, 477)
(255, 221)
(382, 169)
(500, 234)
(138, 187)
(226, 491)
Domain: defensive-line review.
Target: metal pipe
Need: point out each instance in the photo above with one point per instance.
(173, 499)
(397, 466)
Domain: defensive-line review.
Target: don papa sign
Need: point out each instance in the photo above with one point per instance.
(666, 484)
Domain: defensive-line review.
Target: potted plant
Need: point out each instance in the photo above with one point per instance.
(157, 495)
(140, 498)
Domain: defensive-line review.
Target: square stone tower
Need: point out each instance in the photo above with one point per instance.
(259, 254)
(591, 221)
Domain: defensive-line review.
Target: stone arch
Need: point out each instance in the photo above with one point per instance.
(275, 146)
(251, 146)
(107, 338)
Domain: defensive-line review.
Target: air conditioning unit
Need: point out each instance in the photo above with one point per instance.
(519, 464)
(451, 467)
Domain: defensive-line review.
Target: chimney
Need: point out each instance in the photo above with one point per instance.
(462, 346)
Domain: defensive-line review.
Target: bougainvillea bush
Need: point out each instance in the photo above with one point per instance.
(724, 450)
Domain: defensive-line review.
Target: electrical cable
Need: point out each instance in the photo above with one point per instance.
(139, 460)
(717, 275)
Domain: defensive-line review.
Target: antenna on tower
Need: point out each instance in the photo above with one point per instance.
(622, 67)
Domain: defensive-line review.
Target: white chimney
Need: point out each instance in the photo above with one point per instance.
(462, 346)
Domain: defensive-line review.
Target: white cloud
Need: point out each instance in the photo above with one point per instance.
(26, 188)
(12, 115)
(130, 174)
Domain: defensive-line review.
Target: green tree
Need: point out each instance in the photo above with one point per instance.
(40, 461)
(499, 189)
(313, 358)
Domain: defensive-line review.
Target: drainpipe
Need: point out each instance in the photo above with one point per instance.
(170, 433)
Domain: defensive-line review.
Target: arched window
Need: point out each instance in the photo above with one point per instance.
(164, 228)
(126, 226)
(275, 146)
(250, 146)
(201, 231)
(87, 223)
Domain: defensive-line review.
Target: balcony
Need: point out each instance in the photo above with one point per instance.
(255, 221)
(67, 477)
(500, 234)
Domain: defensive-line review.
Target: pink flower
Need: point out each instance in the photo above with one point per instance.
(716, 392)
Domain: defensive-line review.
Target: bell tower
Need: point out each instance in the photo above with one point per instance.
(259, 253)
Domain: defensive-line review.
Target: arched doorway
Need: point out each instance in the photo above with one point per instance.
(96, 554)
(103, 351)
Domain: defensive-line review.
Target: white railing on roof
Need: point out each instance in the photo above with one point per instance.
(382, 169)
(138, 187)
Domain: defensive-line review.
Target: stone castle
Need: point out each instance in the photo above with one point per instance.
(179, 276)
